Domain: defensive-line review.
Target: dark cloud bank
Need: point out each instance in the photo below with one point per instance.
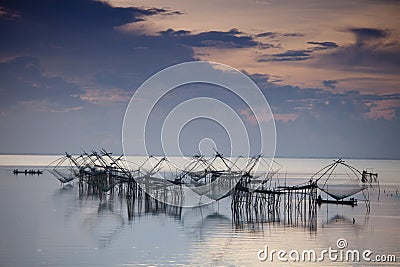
(67, 73)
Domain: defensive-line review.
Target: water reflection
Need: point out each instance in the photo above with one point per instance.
(213, 234)
(340, 221)
(43, 224)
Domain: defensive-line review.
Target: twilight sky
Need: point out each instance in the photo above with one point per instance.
(329, 69)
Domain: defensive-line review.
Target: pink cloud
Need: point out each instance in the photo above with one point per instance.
(382, 109)
(263, 116)
(101, 96)
(45, 105)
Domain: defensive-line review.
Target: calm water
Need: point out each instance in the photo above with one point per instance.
(44, 224)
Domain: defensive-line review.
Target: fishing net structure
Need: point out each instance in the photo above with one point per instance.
(63, 169)
(212, 177)
(342, 191)
(340, 180)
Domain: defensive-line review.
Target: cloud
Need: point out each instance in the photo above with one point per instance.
(229, 39)
(289, 55)
(76, 14)
(324, 45)
(374, 51)
(22, 80)
(45, 105)
(248, 115)
(44, 25)
(268, 34)
(327, 123)
(330, 83)
(298, 55)
(286, 117)
(295, 34)
(272, 35)
(385, 107)
(171, 32)
(68, 70)
(78, 41)
(263, 2)
(364, 35)
(105, 96)
(321, 103)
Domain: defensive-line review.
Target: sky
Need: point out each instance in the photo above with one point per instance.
(329, 70)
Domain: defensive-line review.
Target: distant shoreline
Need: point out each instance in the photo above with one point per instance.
(278, 157)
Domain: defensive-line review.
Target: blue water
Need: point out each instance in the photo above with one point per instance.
(45, 224)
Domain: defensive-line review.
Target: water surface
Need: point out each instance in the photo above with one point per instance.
(45, 224)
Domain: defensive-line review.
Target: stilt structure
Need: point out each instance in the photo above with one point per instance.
(258, 195)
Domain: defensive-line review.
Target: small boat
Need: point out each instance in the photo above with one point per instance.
(350, 202)
(16, 171)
